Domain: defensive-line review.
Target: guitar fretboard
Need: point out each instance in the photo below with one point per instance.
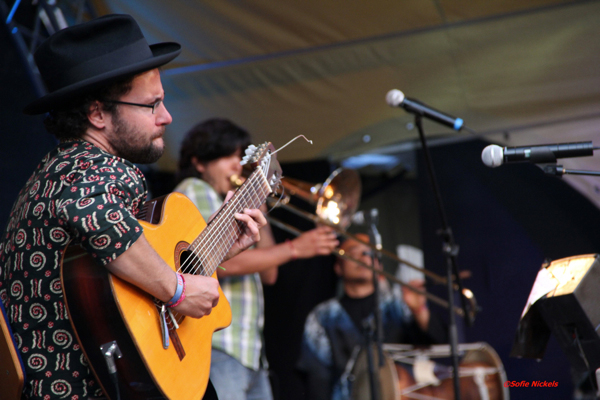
(215, 241)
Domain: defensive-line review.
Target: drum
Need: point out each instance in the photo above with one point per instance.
(360, 379)
(411, 373)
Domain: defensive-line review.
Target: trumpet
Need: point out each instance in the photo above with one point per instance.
(336, 201)
(236, 180)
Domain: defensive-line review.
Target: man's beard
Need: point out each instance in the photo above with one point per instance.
(130, 144)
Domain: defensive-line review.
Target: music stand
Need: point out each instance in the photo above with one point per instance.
(564, 302)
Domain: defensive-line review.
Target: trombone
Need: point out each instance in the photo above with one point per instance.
(336, 201)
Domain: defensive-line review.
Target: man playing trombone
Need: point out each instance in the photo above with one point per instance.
(335, 327)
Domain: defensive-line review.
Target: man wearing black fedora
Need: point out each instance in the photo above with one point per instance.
(105, 105)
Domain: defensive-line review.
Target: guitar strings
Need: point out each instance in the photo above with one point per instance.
(216, 229)
(200, 246)
(297, 137)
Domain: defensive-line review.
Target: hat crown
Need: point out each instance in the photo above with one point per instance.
(89, 49)
(87, 56)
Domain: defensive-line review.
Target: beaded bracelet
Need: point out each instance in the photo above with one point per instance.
(179, 293)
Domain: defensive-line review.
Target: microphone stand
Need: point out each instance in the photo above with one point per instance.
(450, 250)
(369, 329)
(374, 325)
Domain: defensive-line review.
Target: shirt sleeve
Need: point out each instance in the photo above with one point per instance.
(99, 208)
(315, 362)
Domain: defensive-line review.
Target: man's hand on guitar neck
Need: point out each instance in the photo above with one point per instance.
(252, 220)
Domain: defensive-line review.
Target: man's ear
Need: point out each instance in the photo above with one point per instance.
(200, 166)
(96, 115)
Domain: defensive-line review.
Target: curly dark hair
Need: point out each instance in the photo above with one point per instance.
(208, 141)
(71, 121)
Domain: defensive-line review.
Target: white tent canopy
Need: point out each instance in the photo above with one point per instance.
(518, 72)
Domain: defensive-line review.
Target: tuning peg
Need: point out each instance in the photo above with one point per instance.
(249, 152)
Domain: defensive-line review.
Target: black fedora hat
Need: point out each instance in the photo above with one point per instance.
(84, 57)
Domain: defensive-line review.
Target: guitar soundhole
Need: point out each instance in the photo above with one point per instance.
(189, 263)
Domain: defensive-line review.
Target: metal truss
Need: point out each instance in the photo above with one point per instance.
(30, 22)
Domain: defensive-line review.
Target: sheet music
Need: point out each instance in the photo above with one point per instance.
(544, 283)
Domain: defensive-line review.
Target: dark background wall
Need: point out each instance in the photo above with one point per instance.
(301, 285)
(507, 221)
(24, 139)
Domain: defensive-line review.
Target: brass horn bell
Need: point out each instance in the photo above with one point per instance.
(336, 199)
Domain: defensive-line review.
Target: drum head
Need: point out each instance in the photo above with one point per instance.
(386, 376)
(481, 372)
(486, 356)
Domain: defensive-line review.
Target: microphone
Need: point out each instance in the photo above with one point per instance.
(396, 98)
(494, 155)
(376, 238)
(365, 217)
(371, 218)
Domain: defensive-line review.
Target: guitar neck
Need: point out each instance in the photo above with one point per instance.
(215, 241)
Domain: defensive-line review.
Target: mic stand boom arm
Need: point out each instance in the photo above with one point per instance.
(559, 170)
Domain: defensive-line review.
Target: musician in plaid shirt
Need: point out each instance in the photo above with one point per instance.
(210, 156)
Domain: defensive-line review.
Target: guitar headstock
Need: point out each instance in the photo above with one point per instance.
(262, 158)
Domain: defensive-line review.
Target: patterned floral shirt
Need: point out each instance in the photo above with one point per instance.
(78, 194)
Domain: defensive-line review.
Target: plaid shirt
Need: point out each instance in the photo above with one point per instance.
(242, 339)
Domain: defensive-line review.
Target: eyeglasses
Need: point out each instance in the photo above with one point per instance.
(153, 106)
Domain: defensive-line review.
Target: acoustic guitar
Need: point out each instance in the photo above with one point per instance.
(119, 325)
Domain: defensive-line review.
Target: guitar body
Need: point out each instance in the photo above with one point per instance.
(104, 308)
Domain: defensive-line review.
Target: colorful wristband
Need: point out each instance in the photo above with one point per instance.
(179, 292)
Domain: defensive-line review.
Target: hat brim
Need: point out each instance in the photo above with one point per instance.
(162, 54)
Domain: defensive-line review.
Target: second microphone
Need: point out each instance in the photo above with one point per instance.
(494, 155)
